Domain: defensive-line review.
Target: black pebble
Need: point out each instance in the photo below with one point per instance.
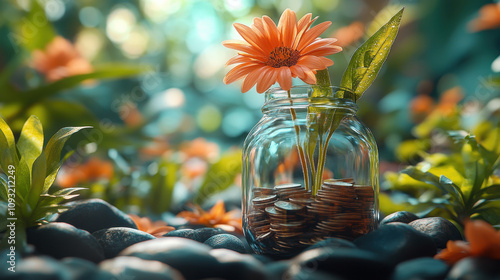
(342, 262)
(189, 257)
(397, 242)
(93, 215)
(400, 217)
(440, 229)
(81, 269)
(475, 268)
(421, 268)
(36, 268)
(226, 241)
(333, 243)
(135, 268)
(116, 239)
(61, 240)
(184, 233)
(236, 266)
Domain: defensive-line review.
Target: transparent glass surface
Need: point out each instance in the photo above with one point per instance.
(310, 171)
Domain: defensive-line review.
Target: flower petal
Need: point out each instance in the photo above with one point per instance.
(267, 80)
(251, 79)
(243, 47)
(287, 27)
(239, 72)
(480, 234)
(272, 31)
(312, 34)
(249, 35)
(312, 62)
(285, 78)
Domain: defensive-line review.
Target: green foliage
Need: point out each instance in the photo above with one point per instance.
(220, 175)
(28, 173)
(458, 186)
(369, 58)
(162, 189)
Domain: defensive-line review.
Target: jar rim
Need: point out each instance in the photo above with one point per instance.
(301, 95)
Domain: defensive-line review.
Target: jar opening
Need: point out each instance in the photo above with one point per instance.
(300, 96)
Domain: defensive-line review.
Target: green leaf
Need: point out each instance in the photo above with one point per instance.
(37, 180)
(58, 197)
(23, 180)
(110, 71)
(220, 175)
(369, 58)
(30, 143)
(490, 192)
(443, 183)
(51, 177)
(34, 31)
(6, 157)
(54, 148)
(163, 186)
(9, 139)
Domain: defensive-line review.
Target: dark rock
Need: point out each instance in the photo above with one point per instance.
(277, 269)
(135, 268)
(81, 269)
(202, 234)
(342, 262)
(93, 215)
(440, 229)
(116, 239)
(238, 266)
(475, 268)
(397, 242)
(184, 233)
(421, 268)
(404, 217)
(36, 268)
(311, 275)
(333, 242)
(191, 258)
(226, 241)
(61, 240)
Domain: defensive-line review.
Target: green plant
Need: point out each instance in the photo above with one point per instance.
(457, 186)
(29, 172)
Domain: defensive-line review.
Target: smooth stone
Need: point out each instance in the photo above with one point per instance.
(277, 269)
(312, 275)
(440, 229)
(404, 217)
(81, 269)
(421, 268)
(93, 215)
(343, 262)
(475, 268)
(333, 243)
(136, 268)
(226, 241)
(397, 242)
(189, 257)
(184, 233)
(60, 240)
(116, 239)
(36, 268)
(203, 234)
(238, 266)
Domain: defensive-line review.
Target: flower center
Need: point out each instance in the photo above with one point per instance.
(283, 56)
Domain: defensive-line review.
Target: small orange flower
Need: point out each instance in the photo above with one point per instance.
(130, 115)
(349, 34)
(157, 228)
(60, 59)
(92, 170)
(273, 53)
(200, 148)
(483, 240)
(215, 217)
(488, 18)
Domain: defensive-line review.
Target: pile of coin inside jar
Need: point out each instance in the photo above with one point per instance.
(288, 218)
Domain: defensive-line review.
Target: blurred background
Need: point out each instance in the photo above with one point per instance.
(167, 130)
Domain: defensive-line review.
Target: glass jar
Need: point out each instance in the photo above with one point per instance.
(310, 171)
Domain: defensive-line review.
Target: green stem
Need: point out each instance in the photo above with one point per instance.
(299, 147)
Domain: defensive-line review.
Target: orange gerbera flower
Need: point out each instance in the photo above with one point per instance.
(60, 59)
(157, 228)
(483, 239)
(273, 53)
(92, 170)
(215, 217)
